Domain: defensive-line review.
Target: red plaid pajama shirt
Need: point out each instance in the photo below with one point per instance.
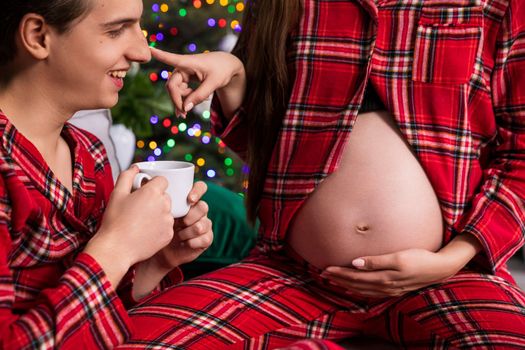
(452, 75)
(51, 295)
(449, 72)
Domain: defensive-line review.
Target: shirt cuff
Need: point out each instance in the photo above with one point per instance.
(232, 132)
(125, 289)
(86, 297)
(496, 230)
(173, 278)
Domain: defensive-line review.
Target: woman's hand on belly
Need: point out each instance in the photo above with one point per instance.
(400, 272)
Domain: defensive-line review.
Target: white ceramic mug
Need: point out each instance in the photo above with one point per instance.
(180, 181)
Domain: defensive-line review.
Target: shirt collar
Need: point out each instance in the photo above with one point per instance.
(20, 151)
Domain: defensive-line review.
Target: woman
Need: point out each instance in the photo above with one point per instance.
(385, 143)
(66, 246)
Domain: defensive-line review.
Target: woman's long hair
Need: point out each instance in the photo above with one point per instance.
(262, 47)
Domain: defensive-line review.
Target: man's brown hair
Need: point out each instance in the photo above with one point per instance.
(57, 13)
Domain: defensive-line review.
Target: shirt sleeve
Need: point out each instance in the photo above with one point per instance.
(232, 132)
(497, 217)
(83, 311)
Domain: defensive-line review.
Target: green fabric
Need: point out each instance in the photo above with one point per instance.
(233, 235)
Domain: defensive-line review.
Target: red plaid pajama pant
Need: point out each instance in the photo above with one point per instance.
(269, 303)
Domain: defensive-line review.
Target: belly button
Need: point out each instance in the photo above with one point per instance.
(362, 228)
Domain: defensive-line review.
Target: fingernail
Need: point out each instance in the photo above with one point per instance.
(358, 262)
(188, 107)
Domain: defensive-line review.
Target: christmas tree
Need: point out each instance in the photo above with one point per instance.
(186, 27)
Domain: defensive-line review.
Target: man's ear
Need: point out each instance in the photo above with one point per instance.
(34, 35)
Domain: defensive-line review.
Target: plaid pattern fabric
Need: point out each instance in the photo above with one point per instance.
(450, 73)
(314, 345)
(50, 295)
(271, 302)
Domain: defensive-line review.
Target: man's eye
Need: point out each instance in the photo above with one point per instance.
(115, 33)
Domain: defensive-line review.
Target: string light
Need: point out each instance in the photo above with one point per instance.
(170, 19)
(192, 47)
(231, 6)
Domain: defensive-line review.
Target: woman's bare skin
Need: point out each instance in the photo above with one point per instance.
(378, 201)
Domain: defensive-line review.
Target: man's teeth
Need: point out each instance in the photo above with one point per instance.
(118, 74)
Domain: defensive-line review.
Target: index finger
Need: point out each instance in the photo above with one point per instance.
(377, 262)
(371, 263)
(172, 59)
(158, 182)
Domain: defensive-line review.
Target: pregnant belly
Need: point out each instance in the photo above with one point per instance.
(378, 201)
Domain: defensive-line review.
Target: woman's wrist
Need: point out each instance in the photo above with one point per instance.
(232, 95)
(460, 251)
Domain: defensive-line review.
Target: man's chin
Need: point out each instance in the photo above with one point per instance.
(108, 103)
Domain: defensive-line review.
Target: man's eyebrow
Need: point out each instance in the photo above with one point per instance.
(120, 22)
